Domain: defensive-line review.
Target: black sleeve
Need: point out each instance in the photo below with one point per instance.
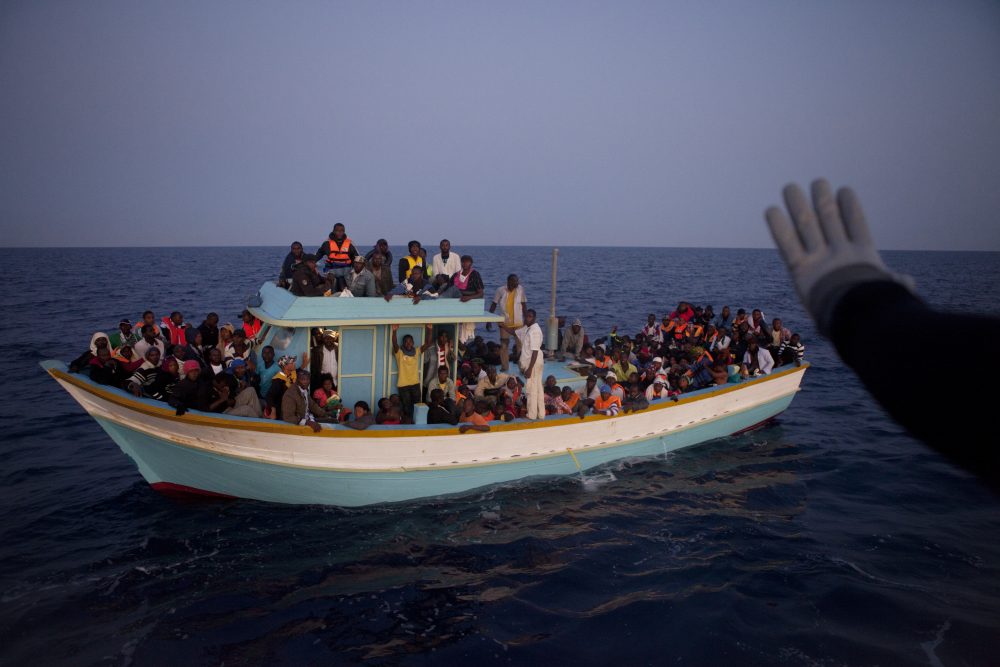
(880, 330)
(402, 269)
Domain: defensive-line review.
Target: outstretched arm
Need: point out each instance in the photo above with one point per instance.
(855, 299)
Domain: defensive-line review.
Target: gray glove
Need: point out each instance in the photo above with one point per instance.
(830, 256)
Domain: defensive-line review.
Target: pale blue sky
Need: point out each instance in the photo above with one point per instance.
(630, 123)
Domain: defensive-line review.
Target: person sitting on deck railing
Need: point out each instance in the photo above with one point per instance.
(106, 370)
(192, 392)
(792, 352)
(438, 412)
(607, 403)
(635, 399)
(298, 407)
(362, 417)
(470, 419)
(146, 375)
(756, 360)
(657, 390)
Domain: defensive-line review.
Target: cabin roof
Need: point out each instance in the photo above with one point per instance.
(282, 308)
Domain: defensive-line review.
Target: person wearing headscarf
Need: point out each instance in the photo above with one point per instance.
(99, 339)
(194, 351)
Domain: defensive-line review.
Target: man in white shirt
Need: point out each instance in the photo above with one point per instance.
(513, 306)
(532, 363)
(446, 263)
(325, 356)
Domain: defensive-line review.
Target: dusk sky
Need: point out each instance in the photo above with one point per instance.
(569, 123)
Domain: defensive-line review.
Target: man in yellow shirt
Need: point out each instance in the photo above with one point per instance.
(408, 367)
(513, 306)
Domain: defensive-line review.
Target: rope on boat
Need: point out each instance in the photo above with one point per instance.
(575, 460)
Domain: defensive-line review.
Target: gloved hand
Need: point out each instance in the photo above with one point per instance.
(829, 255)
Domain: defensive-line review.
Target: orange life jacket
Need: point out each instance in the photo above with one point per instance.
(339, 255)
(600, 404)
(603, 364)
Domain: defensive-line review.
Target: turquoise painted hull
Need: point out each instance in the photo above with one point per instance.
(161, 461)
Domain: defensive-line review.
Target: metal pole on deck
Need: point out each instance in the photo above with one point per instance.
(552, 333)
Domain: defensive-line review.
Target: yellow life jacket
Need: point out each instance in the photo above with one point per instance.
(412, 262)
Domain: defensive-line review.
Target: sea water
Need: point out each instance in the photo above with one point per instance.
(828, 538)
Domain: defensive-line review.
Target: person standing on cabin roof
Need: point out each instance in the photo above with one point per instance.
(445, 263)
(339, 252)
(532, 363)
(411, 260)
(513, 306)
(291, 263)
(408, 367)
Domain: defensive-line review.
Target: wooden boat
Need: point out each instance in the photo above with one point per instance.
(262, 459)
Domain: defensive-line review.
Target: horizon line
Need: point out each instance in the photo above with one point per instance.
(485, 245)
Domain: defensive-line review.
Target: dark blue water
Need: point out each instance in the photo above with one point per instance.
(830, 538)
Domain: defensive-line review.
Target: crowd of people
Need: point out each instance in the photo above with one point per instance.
(225, 368)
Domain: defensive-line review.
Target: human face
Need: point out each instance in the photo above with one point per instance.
(651, 320)
(103, 354)
(529, 318)
(328, 385)
(328, 342)
(215, 356)
(414, 250)
(359, 266)
(193, 374)
(267, 354)
(338, 232)
(377, 260)
(359, 412)
(177, 318)
(445, 247)
(153, 356)
(407, 343)
(466, 265)
(296, 250)
(125, 328)
(213, 319)
(302, 379)
(442, 375)
(512, 283)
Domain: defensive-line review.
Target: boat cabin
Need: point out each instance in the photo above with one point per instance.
(366, 369)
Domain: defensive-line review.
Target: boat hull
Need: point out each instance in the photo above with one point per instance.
(274, 462)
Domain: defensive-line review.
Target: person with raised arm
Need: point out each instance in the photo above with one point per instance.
(854, 298)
